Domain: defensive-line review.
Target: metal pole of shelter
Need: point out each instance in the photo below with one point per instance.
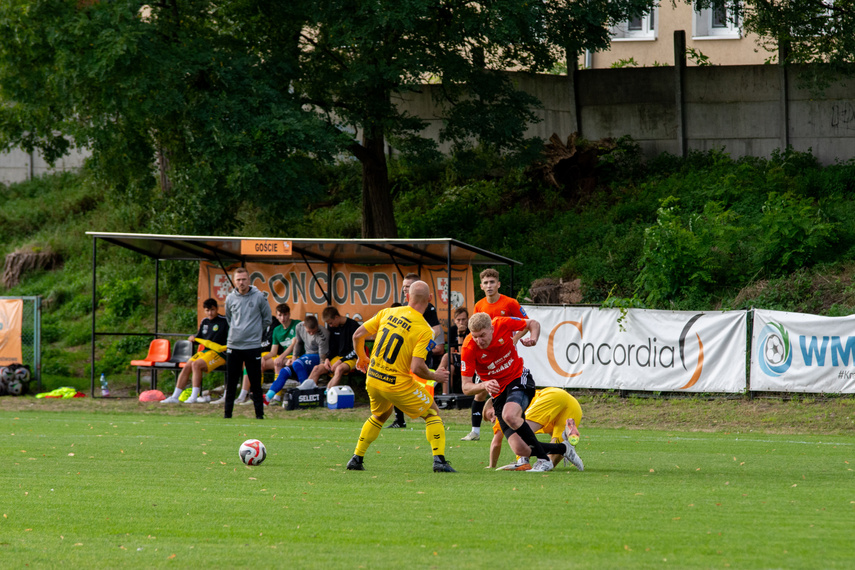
(329, 283)
(37, 341)
(156, 295)
(512, 283)
(94, 300)
(448, 268)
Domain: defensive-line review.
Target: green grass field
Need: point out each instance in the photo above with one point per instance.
(144, 489)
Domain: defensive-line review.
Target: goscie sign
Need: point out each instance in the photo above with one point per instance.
(273, 247)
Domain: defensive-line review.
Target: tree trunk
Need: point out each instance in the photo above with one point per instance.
(378, 216)
(164, 167)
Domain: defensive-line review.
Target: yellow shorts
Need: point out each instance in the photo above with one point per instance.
(337, 359)
(212, 358)
(414, 401)
(551, 408)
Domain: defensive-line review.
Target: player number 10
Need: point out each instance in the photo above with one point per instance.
(389, 351)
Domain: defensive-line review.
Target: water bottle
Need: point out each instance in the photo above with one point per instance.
(105, 390)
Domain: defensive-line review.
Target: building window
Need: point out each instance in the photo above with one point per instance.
(719, 21)
(642, 28)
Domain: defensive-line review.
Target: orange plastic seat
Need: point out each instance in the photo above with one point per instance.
(158, 351)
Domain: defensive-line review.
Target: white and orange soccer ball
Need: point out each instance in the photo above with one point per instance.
(252, 452)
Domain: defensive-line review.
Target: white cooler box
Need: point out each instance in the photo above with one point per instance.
(340, 397)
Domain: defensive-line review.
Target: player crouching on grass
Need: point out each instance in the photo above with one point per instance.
(402, 342)
(490, 352)
(552, 411)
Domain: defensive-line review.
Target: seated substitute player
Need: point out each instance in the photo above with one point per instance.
(309, 347)
(490, 352)
(214, 328)
(342, 357)
(552, 411)
(496, 305)
(402, 342)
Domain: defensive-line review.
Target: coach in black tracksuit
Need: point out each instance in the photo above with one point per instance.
(248, 314)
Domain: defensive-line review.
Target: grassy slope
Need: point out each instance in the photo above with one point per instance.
(596, 235)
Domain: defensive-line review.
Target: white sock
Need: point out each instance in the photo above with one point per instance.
(477, 430)
(243, 394)
(195, 392)
(177, 392)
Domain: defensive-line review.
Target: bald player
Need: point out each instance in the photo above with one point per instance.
(403, 340)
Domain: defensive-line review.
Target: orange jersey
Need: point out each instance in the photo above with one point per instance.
(504, 307)
(499, 361)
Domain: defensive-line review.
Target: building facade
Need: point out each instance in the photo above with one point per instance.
(713, 36)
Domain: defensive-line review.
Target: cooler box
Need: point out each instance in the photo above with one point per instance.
(339, 397)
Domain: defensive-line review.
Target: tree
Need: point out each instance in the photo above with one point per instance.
(357, 58)
(236, 99)
(814, 32)
(173, 91)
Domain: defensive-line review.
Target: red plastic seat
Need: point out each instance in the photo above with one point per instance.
(158, 351)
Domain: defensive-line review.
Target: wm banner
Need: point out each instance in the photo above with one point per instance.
(359, 291)
(11, 312)
(794, 352)
(636, 349)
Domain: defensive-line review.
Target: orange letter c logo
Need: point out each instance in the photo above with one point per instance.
(550, 349)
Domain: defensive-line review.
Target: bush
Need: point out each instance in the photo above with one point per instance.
(789, 233)
(122, 298)
(688, 257)
(118, 355)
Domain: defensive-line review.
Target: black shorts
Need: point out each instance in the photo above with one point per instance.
(519, 391)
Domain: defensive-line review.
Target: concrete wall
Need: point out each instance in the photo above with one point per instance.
(18, 166)
(748, 110)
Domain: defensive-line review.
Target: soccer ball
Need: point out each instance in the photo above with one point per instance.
(22, 374)
(774, 350)
(6, 374)
(16, 387)
(252, 452)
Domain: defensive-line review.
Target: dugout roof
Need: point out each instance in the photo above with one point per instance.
(226, 250)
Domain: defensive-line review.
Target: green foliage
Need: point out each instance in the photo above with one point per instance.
(235, 103)
(697, 57)
(688, 256)
(623, 63)
(792, 230)
(122, 298)
(117, 356)
(811, 33)
(697, 233)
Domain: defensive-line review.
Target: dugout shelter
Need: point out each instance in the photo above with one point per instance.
(324, 271)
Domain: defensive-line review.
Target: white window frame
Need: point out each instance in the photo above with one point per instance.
(649, 29)
(705, 28)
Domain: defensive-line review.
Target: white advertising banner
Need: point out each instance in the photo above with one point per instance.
(795, 352)
(667, 351)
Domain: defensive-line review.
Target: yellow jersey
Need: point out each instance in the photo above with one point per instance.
(401, 334)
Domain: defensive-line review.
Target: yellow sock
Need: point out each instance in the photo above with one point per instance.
(370, 430)
(435, 431)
